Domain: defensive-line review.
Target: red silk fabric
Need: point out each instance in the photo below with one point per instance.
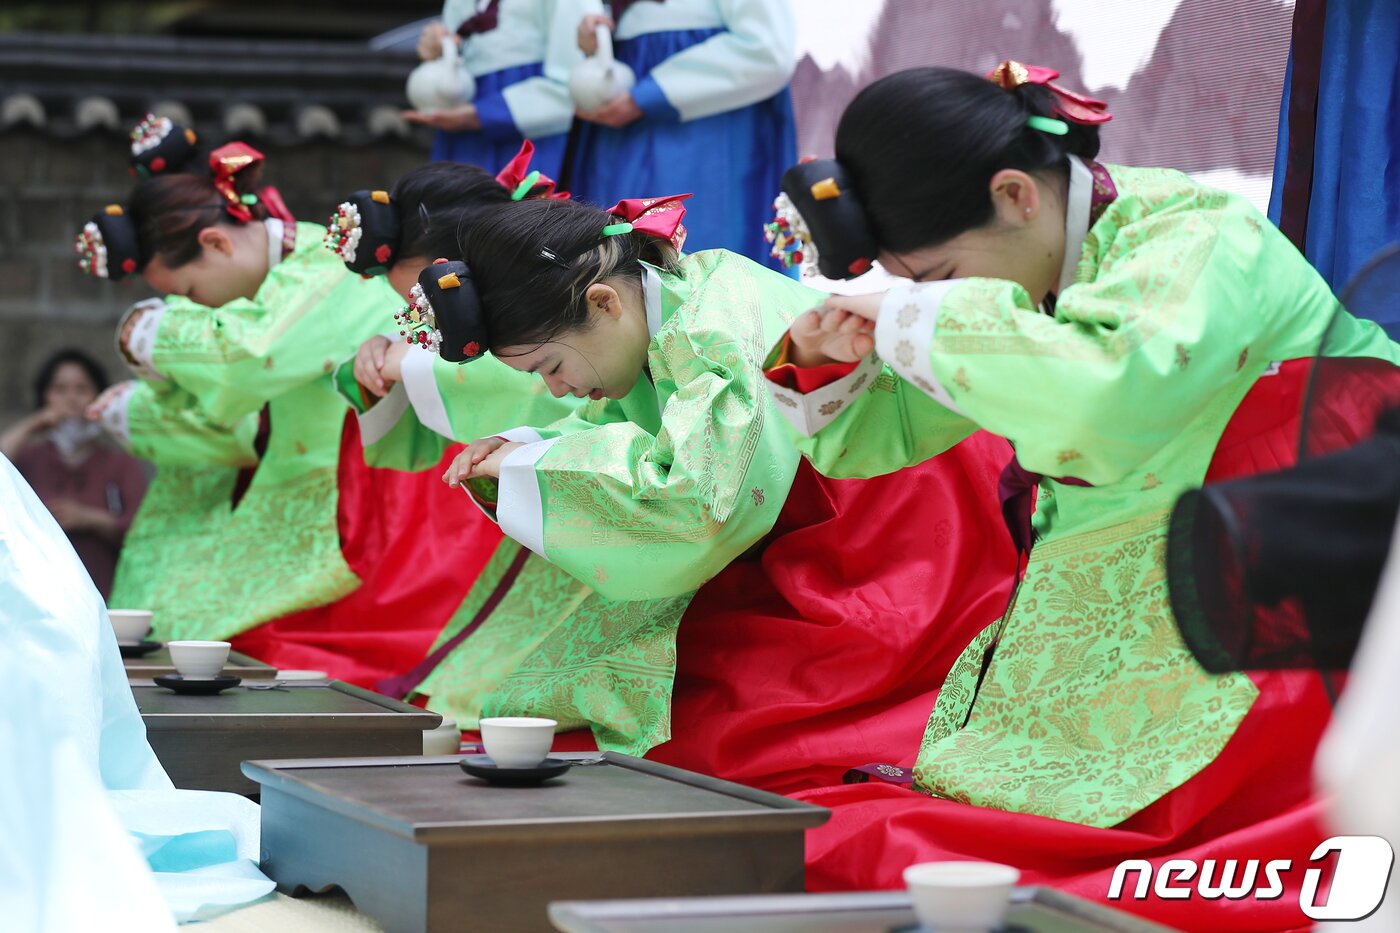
(416, 545)
(1253, 802)
(824, 650)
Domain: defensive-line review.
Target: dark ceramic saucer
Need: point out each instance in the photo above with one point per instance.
(483, 767)
(138, 649)
(197, 687)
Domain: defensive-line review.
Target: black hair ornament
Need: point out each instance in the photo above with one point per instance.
(159, 145)
(365, 232)
(819, 224)
(107, 246)
(444, 313)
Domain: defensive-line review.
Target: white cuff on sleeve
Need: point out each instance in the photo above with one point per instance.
(904, 335)
(141, 345)
(114, 416)
(379, 419)
(813, 411)
(519, 507)
(423, 394)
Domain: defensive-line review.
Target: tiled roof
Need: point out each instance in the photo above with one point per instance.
(279, 90)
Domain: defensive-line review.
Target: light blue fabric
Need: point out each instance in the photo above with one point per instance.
(498, 140)
(732, 162)
(1354, 208)
(77, 775)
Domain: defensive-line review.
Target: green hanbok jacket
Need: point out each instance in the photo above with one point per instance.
(213, 370)
(626, 507)
(1174, 301)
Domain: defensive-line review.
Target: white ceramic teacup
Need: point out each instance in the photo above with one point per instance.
(199, 660)
(961, 897)
(517, 741)
(131, 625)
(446, 739)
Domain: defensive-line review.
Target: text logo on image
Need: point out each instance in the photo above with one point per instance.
(1359, 874)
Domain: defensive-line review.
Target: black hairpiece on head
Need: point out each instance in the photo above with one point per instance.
(820, 223)
(107, 246)
(444, 313)
(159, 146)
(365, 232)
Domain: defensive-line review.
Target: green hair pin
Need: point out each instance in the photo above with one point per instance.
(524, 187)
(1048, 125)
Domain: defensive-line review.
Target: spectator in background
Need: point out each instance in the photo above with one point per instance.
(92, 488)
(710, 115)
(520, 53)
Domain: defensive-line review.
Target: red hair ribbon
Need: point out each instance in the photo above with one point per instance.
(271, 199)
(658, 217)
(1075, 107)
(226, 162)
(518, 169)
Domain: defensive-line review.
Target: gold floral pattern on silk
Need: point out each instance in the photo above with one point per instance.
(1086, 713)
(275, 554)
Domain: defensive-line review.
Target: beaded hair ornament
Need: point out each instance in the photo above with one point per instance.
(366, 230)
(444, 313)
(107, 246)
(159, 145)
(817, 205)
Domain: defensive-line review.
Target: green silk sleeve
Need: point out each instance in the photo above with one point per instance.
(309, 313)
(438, 403)
(1167, 312)
(166, 427)
(640, 513)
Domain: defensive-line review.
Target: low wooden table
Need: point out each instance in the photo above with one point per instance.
(158, 664)
(422, 847)
(1033, 910)
(203, 740)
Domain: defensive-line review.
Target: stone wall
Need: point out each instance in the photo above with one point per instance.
(49, 186)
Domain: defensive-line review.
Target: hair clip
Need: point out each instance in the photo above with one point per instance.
(526, 184)
(1048, 125)
(617, 229)
(549, 255)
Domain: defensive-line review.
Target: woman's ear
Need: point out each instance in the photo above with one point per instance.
(1015, 196)
(216, 239)
(604, 299)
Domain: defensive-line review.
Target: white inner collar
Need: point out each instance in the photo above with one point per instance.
(651, 291)
(275, 228)
(1081, 197)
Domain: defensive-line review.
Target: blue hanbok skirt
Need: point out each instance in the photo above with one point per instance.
(732, 161)
(492, 150)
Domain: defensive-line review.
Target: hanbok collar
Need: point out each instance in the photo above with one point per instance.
(281, 240)
(651, 291)
(1091, 190)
